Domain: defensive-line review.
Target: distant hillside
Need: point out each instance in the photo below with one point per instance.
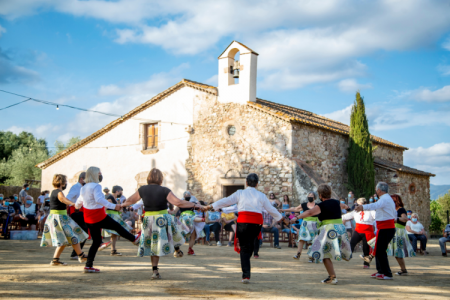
(438, 190)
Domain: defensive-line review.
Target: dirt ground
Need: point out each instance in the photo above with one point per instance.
(213, 274)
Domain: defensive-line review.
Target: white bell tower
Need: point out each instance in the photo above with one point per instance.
(237, 79)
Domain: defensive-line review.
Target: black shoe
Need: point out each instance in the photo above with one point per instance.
(330, 280)
(444, 254)
(402, 273)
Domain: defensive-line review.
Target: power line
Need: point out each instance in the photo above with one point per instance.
(15, 104)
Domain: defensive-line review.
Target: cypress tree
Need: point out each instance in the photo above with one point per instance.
(360, 169)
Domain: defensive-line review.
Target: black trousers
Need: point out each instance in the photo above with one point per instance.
(256, 247)
(96, 234)
(247, 233)
(78, 217)
(356, 238)
(384, 238)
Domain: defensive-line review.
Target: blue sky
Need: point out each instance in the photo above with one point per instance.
(113, 55)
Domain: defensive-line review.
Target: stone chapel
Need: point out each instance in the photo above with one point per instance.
(207, 139)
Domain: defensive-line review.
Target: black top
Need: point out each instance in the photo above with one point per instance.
(305, 208)
(154, 197)
(330, 209)
(400, 212)
(113, 200)
(55, 204)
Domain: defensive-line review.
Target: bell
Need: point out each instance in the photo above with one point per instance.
(235, 73)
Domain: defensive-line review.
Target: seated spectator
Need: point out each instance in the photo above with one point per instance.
(269, 226)
(129, 216)
(416, 231)
(13, 201)
(408, 214)
(7, 213)
(214, 224)
(44, 212)
(445, 239)
(286, 226)
(229, 223)
(29, 215)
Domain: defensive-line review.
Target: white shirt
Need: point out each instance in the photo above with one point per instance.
(41, 199)
(414, 227)
(138, 205)
(91, 197)
(74, 192)
(250, 200)
(367, 219)
(230, 209)
(385, 208)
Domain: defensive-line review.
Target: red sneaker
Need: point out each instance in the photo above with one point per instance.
(384, 277)
(191, 251)
(137, 238)
(374, 275)
(366, 267)
(256, 256)
(103, 246)
(91, 270)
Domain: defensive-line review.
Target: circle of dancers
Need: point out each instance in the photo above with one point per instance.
(85, 211)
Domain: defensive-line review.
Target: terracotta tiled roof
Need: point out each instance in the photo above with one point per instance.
(185, 82)
(308, 118)
(399, 167)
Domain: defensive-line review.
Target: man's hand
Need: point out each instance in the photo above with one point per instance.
(359, 208)
(118, 207)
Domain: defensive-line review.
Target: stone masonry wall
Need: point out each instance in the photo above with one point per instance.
(261, 145)
(418, 201)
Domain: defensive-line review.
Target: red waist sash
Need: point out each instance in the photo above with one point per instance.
(366, 229)
(387, 224)
(72, 209)
(93, 216)
(250, 218)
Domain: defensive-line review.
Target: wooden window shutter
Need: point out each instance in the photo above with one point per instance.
(155, 140)
(152, 136)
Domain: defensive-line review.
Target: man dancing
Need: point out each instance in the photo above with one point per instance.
(385, 218)
(250, 203)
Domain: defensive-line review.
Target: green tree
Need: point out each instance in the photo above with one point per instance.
(22, 163)
(60, 146)
(360, 169)
(437, 223)
(444, 206)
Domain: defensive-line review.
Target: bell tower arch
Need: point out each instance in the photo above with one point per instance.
(242, 69)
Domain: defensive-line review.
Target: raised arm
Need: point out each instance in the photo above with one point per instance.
(311, 212)
(348, 216)
(294, 209)
(228, 201)
(100, 198)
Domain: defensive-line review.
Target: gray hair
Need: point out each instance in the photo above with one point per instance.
(314, 194)
(82, 176)
(383, 186)
(186, 194)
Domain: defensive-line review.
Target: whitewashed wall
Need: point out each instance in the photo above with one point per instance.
(120, 165)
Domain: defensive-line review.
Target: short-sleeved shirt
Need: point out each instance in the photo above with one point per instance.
(213, 216)
(41, 199)
(229, 216)
(330, 209)
(23, 193)
(113, 200)
(414, 227)
(16, 206)
(400, 212)
(154, 197)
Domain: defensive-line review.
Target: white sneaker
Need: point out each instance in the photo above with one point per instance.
(219, 244)
(246, 281)
(330, 280)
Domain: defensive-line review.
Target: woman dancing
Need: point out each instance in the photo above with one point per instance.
(332, 241)
(161, 232)
(115, 215)
(93, 202)
(308, 229)
(400, 246)
(194, 221)
(364, 229)
(59, 229)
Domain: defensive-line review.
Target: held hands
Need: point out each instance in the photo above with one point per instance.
(118, 207)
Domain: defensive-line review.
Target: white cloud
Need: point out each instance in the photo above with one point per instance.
(444, 69)
(446, 44)
(2, 30)
(11, 72)
(300, 42)
(394, 118)
(351, 86)
(435, 159)
(440, 95)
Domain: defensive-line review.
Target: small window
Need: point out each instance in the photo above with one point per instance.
(412, 188)
(152, 136)
(231, 130)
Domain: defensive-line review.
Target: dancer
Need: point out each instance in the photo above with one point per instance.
(308, 228)
(400, 246)
(332, 240)
(115, 215)
(385, 218)
(250, 203)
(364, 229)
(59, 229)
(161, 232)
(194, 221)
(93, 202)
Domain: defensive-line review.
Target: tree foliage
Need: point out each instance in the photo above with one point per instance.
(439, 208)
(360, 169)
(60, 146)
(437, 223)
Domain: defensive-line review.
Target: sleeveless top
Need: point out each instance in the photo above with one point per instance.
(330, 210)
(154, 197)
(55, 204)
(400, 212)
(113, 200)
(305, 208)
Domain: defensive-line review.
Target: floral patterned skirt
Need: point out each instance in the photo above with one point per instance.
(331, 242)
(118, 219)
(308, 231)
(400, 246)
(190, 226)
(160, 235)
(61, 230)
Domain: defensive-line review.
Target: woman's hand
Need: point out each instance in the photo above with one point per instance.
(118, 207)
